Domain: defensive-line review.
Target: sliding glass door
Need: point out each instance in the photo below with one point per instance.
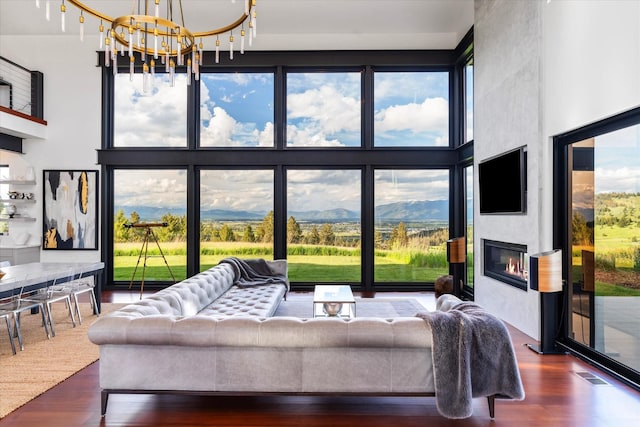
(603, 241)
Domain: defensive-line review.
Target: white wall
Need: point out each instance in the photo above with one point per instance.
(72, 99)
(544, 68)
(591, 61)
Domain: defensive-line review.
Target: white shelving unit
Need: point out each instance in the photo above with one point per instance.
(18, 203)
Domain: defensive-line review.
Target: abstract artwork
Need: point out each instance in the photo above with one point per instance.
(70, 209)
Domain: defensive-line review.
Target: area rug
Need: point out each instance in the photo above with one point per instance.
(387, 308)
(45, 363)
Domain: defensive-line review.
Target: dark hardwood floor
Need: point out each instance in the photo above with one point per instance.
(556, 395)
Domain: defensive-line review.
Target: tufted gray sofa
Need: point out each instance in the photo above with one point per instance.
(173, 342)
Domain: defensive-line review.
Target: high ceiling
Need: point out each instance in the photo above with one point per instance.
(283, 24)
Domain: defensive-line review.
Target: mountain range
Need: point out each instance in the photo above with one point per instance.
(435, 210)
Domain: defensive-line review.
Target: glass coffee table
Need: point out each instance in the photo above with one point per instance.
(333, 301)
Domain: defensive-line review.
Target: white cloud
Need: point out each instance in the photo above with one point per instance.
(220, 129)
(166, 188)
(220, 189)
(155, 119)
(323, 189)
(331, 110)
(309, 137)
(411, 185)
(623, 180)
(429, 116)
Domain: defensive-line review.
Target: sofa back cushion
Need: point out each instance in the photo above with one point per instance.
(188, 297)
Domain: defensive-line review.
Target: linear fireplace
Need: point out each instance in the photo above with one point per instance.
(506, 262)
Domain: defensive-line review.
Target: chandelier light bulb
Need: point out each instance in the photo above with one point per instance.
(155, 42)
(101, 29)
(131, 42)
(172, 72)
(107, 52)
(63, 9)
(254, 20)
(81, 19)
(153, 73)
(196, 65)
(146, 86)
(189, 71)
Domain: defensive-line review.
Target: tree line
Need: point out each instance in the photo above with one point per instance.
(176, 230)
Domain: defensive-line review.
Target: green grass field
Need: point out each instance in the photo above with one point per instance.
(391, 266)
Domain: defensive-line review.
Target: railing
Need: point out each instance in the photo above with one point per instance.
(21, 90)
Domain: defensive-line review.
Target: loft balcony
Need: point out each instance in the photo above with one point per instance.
(21, 105)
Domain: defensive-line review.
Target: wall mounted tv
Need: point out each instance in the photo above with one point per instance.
(503, 183)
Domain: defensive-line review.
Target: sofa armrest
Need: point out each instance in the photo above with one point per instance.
(279, 266)
(446, 301)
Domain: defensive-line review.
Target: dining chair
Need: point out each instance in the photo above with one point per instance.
(78, 286)
(17, 304)
(52, 293)
(7, 314)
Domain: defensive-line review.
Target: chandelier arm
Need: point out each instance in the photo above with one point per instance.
(225, 29)
(123, 21)
(90, 11)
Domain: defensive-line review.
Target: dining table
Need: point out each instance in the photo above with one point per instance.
(36, 275)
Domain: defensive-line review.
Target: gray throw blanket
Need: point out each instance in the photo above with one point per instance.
(252, 272)
(472, 357)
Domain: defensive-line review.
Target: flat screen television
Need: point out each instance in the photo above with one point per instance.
(503, 183)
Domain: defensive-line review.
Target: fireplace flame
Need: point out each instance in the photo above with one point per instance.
(513, 267)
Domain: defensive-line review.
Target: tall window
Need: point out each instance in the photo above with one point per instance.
(323, 109)
(236, 215)
(285, 156)
(411, 109)
(324, 225)
(411, 225)
(468, 96)
(149, 197)
(236, 109)
(468, 175)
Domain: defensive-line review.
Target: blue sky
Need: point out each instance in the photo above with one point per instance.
(617, 157)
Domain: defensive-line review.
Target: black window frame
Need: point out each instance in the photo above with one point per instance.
(280, 157)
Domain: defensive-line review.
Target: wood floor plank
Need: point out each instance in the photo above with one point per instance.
(555, 396)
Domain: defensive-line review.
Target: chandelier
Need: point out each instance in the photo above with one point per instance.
(156, 31)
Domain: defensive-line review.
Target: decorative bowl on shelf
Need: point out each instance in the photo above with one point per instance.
(20, 239)
(332, 308)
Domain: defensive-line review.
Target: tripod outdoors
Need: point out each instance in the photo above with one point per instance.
(144, 250)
